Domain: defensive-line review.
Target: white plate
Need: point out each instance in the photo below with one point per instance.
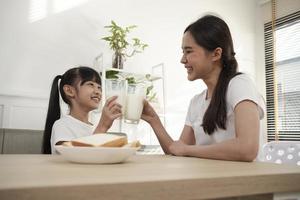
(95, 154)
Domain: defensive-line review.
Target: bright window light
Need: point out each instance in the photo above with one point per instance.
(37, 10)
(62, 5)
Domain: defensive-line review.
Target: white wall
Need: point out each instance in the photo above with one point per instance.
(42, 38)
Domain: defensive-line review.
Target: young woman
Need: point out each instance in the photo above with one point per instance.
(223, 121)
(80, 88)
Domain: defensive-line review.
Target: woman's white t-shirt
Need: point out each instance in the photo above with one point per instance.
(68, 128)
(240, 88)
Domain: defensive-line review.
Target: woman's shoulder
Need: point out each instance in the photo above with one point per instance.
(242, 77)
(241, 81)
(199, 97)
(242, 87)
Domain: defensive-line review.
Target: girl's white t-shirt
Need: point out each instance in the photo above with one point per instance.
(240, 88)
(68, 128)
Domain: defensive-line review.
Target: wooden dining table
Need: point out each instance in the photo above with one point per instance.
(143, 177)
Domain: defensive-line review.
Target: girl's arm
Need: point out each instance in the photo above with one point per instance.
(110, 112)
(242, 148)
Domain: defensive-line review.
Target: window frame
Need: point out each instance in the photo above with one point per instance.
(272, 132)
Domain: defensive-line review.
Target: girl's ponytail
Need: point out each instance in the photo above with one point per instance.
(71, 77)
(53, 114)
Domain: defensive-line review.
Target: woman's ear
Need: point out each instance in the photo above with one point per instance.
(69, 91)
(217, 54)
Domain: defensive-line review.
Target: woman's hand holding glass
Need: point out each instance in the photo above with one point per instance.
(149, 114)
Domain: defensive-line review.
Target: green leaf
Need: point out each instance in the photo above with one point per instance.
(118, 40)
(113, 23)
(130, 80)
(111, 74)
(148, 76)
(151, 97)
(149, 89)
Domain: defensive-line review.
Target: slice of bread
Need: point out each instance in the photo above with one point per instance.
(100, 140)
(134, 144)
(67, 144)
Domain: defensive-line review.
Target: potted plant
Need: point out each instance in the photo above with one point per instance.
(119, 43)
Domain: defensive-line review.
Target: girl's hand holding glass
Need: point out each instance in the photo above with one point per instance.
(111, 111)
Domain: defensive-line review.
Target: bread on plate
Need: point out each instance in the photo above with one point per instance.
(100, 140)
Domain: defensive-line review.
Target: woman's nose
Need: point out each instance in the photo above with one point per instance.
(183, 59)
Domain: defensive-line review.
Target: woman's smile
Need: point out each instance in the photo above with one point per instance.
(189, 69)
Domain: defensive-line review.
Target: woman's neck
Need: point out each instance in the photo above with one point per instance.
(211, 82)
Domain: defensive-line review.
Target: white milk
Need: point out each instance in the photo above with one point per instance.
(120, 100)
(117, 88)
(134, 108)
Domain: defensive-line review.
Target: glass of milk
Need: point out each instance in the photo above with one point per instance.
(136, 93)
(115, 87)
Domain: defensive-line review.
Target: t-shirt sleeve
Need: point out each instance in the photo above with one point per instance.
(60, 133)
(242, 88)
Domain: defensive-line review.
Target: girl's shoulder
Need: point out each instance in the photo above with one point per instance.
(69, 121)
(65, 119)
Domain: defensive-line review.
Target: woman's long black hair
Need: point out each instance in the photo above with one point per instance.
(211, 32)
(70, 77)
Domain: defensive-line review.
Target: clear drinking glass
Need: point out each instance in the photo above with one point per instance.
(115, 87)
(136, 93)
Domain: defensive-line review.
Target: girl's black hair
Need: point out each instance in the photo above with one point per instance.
(71, 77)
(211, 32)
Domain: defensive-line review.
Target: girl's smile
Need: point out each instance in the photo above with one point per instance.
(97, 99)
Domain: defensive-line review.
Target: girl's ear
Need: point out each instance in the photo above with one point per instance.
(69, 91)
(217, 54)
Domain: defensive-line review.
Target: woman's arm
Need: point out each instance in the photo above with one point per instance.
(150, 116)
(163, 137)
(242, 148)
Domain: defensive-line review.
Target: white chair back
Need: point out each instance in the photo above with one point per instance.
(282, 152)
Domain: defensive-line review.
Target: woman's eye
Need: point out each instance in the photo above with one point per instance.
(186, 52)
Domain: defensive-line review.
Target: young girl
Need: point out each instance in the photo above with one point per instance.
(80, 88)
(223, 121)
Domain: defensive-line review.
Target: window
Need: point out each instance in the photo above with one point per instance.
(283, 78)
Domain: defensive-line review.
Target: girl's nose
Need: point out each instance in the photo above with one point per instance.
(98, 90)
